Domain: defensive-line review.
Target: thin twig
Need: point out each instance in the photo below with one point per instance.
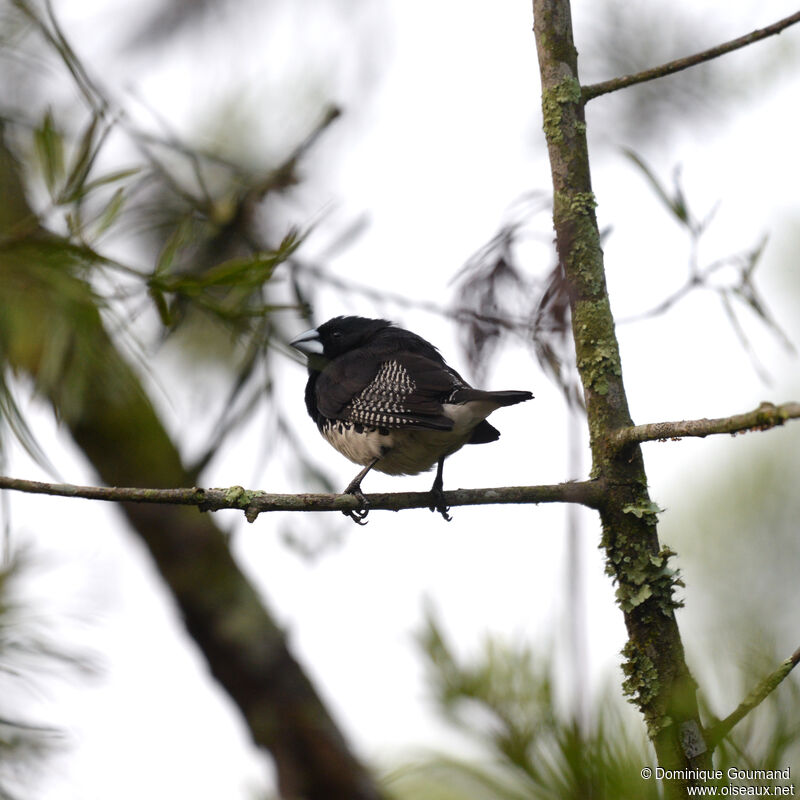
(588, 493)
(763, 418)
(612, 85)
(760, 693)
(514, 325)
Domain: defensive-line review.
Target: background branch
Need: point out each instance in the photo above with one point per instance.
(763, 418)
(96, 393)
(588, 493)
(754, 699)
(679, 64)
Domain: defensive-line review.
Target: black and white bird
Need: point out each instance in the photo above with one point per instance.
(385, 398)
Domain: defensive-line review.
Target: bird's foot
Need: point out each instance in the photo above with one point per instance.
(438, 503)
(358, 515)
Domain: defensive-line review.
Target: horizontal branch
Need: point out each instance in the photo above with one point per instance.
(766, 416)
(253, 503)
(679, 64)
(755, 698)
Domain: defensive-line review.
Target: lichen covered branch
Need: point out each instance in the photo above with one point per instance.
(760, 693)
(766, 416)
(253, 503)
(657, 678)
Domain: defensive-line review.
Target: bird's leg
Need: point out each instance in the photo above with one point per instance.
(359, 515)
(437, 490)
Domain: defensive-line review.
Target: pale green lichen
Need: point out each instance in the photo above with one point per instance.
(568, 91)
(641, 683)
(648, 511)
(238, 497)
(582, 203)
(604, 360)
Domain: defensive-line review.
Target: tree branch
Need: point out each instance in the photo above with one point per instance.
(763, 418)
(587, 493)
(679, 64)
(657, 678)
(760, 693)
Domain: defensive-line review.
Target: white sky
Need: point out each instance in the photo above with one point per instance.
(448, 139)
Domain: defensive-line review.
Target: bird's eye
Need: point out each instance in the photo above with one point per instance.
(336, 335)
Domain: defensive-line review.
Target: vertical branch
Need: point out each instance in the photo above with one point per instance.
(657, 678)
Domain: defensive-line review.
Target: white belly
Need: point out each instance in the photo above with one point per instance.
(413, 452)
(403, 451)
(359, 444)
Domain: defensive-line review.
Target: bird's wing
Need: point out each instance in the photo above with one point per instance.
(401, 390)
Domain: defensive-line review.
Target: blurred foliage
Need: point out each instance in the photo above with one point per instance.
(528, 748)
(28, 658)
(170, 18)
(115, 238)
(506, 701)
(768, 737)
(497, 297)
(99, 215)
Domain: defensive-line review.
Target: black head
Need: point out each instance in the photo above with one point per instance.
(339, 335)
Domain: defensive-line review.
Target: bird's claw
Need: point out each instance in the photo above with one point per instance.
(439, 504)
(358, 515)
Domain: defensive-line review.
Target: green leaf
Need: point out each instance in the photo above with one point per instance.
(88, 149)
(49, 144)
(177, 239)
(253, 270)
(111, 177)
(161, 305)
(111, 211)
(12, 417)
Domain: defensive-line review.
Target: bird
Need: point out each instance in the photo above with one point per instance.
(385, 398)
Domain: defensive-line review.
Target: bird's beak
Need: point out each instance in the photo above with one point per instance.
(308, 343)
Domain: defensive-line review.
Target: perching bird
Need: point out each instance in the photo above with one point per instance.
(385, 398)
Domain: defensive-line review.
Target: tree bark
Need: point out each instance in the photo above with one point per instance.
(657, 678)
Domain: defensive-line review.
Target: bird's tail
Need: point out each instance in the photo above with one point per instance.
(484, 432)
(510, 398)
(506, 398)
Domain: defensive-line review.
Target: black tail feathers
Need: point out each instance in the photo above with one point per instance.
(510, 398)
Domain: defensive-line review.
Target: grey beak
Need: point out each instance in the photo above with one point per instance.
(308, 343)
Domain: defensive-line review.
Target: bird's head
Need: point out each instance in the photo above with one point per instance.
(337, 336)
